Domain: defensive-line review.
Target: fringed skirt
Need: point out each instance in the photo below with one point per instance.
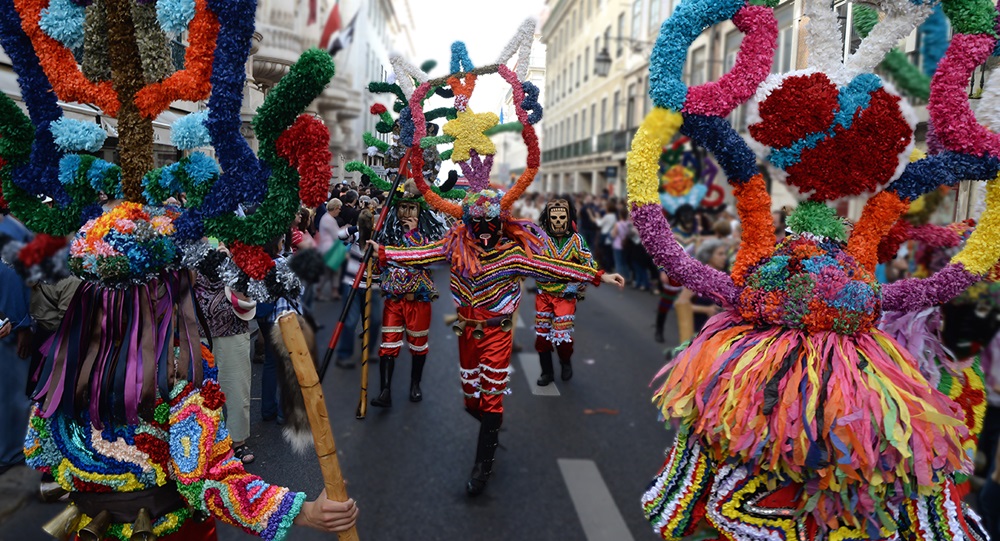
(845, 423)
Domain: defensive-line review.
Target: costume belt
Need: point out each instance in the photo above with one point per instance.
(504, 322)
(430, 297)
(124, 507)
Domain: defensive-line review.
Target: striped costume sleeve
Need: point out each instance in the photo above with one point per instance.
(212, 480)
(547, 268)
(583, 255)
(413, 256)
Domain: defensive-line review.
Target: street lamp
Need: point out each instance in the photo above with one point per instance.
(602, 62)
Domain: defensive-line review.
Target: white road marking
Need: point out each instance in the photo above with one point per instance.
(598, 513)
(531, 370)
(519, 323)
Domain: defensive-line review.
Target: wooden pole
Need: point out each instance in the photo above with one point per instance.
(312, 393)
(365, 324)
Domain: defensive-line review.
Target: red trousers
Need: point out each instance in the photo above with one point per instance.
(414, 317)
(484, 363)
(554, 319)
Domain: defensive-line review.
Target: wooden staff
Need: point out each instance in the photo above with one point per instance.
(312, 393)
(365, 324)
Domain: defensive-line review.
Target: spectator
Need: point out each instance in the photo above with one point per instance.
(620, 235)
(15, 351)
(349, 212)
(606, 226)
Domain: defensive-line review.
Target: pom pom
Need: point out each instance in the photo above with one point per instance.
(174, 16)
(200, 168)
(189, 132)
(72, 135)
(378, 109)
(63, 22)
(252, 260)
(816, 218)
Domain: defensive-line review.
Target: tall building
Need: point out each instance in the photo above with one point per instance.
(597, 81)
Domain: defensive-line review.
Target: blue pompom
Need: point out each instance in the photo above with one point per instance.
(200, 168)
(460, 58)
(718, 137)
(63, 22)
(72, 135)
(174, 16)
(69, 166)
(168, 179)
(190, 132)
(944, 169)
(103, 176)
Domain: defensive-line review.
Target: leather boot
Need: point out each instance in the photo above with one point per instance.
(416, 373)
(489, 438)
(545, 358)
(385, 368)
(565, 351)
(661, 320)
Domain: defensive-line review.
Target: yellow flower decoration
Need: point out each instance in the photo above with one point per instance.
(643, 162)
(467, 129)
(982, 250)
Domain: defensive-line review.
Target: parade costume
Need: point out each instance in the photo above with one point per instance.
(796, 417)
(128, 415)
(487, 250)
(555, 302)
(408, 293)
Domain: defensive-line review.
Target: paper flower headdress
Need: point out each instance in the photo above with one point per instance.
(791, 398)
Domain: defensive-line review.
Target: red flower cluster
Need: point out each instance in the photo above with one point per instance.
(40, 248)
(306, 146)
(212, 395)
(378, 109)
(802, 105)
(253, 260)
(889, 246)
(856, 160)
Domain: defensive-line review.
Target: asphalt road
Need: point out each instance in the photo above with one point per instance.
(571, 466)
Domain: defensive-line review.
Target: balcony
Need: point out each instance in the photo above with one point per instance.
(617, 141)
(279, 49)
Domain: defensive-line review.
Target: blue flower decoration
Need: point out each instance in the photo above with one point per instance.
(72, 135)
(190, 131)
(174, 16)
(530, 103)
(200, 168)
(63, 22)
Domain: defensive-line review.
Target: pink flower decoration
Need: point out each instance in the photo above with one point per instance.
(954, 123)
(753, 63)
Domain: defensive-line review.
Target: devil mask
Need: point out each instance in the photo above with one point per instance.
(483, 215)
(487, 231)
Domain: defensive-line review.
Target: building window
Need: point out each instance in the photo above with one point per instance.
(583, 123)
(586, 64)
(621, 34)
(604, 115)
(573, 140)
(615, 108)
(783, 54)
(571, 77)
(636, 18)
(654, 15)
(593, 118)
(733, 40)
(578, 69)
(630, 106)
(698, 62)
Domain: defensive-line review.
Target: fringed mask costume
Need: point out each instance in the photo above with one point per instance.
(797, 417)
(126, 396)
(555, 302)
(488, 251)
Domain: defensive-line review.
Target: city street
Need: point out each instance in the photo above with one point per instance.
(574, 459)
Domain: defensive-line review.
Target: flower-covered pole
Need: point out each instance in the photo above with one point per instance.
(403, 166)
(135, 133)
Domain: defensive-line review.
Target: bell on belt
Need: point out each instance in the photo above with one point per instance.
(142, 530)
(64, 525)
(50, 491)
(458, 327)
(94, 531)
(478, 332)
(506, 324)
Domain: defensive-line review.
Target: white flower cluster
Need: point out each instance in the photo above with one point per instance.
(521, 44)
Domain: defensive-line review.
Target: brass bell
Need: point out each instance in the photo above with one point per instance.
(506, 324)
(142, 529)
(64, 525)
(50, 491)
(478, 332)
(94, 531)
(458, 327)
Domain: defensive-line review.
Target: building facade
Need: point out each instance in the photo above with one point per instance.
(512, 155)
(591, 119)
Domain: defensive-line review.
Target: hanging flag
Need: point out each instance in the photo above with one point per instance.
(312, 12)
(333, 25)
(342, 39)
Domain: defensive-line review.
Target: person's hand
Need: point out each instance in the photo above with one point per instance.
(5, 329)
(24, 343)
(327, 515)
(410, 223)
(614, 278)
(374, 245)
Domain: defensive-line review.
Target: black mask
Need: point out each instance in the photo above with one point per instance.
(486, 232)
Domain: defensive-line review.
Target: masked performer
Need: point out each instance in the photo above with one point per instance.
(408, 292)
(797, 418)
(487, 250)
(555, 304)
(128, 415)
